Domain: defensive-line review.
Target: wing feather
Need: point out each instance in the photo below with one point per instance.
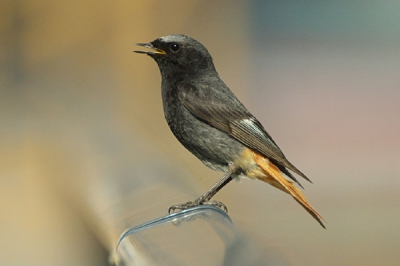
(222, 110)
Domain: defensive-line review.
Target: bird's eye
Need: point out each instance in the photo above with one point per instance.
(175, 47)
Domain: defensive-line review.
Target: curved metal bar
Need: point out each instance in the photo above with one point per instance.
(171, 217)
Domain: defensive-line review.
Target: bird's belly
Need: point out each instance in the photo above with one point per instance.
(214, 148)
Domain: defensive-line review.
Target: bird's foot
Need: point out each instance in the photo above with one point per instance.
(197, 202)
(217, 204)
(182, 206)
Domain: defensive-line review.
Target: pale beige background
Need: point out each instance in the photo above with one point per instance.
(82, 128)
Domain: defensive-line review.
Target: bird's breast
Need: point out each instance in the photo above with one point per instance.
(213, 147)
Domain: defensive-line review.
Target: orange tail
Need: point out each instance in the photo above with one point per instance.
(274, 177)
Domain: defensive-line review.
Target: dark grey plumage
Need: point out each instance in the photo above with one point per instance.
(203, 113)
(208, 119)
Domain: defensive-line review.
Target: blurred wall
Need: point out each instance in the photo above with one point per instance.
(85, 150)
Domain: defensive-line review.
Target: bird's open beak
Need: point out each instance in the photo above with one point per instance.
(152, 51)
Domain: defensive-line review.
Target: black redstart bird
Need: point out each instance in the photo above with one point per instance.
(207, 118)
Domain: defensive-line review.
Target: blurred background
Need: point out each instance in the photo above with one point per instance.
(86, 152)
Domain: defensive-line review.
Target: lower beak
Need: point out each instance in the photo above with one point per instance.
(152, 51)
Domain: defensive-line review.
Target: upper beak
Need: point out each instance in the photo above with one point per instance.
(152, 51)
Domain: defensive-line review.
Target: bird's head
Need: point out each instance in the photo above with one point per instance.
(178, 54)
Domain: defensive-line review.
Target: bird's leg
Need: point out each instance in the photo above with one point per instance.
(225, 179)
(205, 198)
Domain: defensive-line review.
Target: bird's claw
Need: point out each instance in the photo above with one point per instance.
(190, 204)
(217, 204)
(182, 206)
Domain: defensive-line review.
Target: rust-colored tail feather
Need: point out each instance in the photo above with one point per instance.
(274, 177)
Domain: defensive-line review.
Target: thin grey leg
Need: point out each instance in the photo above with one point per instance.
(205, 198)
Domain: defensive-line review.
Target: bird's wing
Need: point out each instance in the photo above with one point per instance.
(222, 110)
